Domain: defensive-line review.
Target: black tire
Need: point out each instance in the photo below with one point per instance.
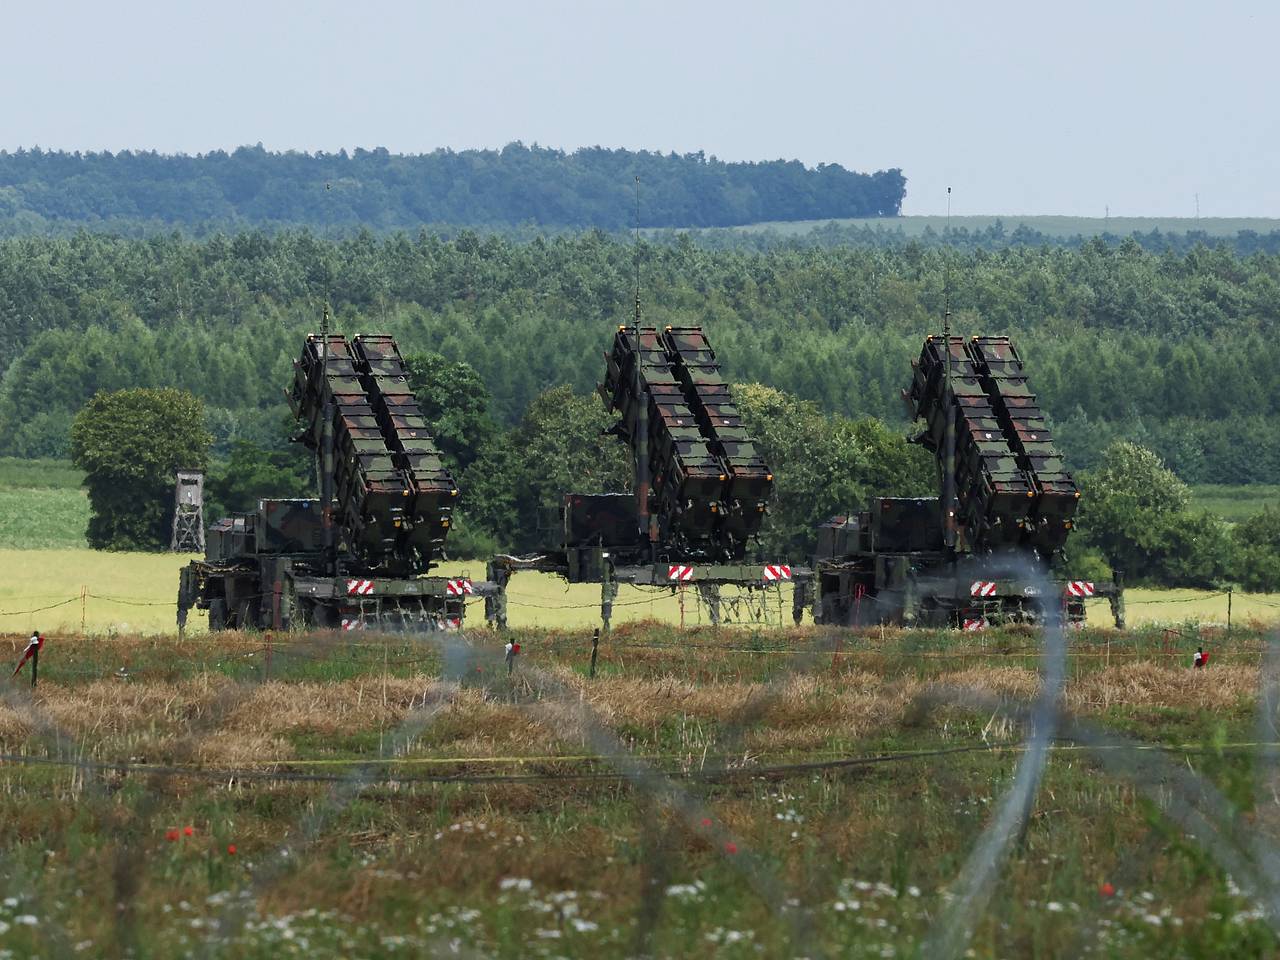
(217, 614)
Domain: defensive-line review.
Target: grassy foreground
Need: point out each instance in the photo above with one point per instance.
(488, 824)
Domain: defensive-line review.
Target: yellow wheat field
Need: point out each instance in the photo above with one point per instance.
(65, 591)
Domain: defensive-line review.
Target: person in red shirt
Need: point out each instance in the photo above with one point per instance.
(1200, 659)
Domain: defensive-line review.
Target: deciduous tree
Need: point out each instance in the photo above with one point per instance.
(130, 444)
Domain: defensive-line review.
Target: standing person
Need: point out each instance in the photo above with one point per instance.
(32, 653)
(513, 651)
(1200, 659)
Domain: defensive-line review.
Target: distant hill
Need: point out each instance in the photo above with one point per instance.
(42, 191)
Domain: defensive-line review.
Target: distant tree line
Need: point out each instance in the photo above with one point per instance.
(590, 187)
(1176, 351)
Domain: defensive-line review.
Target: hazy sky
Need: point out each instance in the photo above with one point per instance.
(1022, 107)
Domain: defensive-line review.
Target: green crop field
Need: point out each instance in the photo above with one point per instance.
(1235, 503)
(42, 504)
(914, 226)
(39, 474)
(37, 518)
(371, 798)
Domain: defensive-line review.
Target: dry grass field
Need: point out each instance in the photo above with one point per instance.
(816, 794)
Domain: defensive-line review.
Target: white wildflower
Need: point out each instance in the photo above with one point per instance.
(687, 890)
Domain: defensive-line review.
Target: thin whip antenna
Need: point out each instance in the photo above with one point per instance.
(946, 283)
(636, 256)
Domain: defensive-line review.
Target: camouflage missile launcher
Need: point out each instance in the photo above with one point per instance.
(391, 506)
(1054, 495)
(701, 489)
(685, 477)
(369, 487)
(1013, 500)
(709, 486)
(993, 492)
(414, 452)
(396, 495)
(748, 483)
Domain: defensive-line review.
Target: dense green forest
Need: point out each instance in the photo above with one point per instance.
(1175, 351)
(591, 187)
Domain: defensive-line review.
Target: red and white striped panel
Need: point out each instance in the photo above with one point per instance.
(983, 588)
(457, 588)
(1079, 588)
(359, 588)
(679, 572)
(974, 624)
(352, 623)
(776, 571)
